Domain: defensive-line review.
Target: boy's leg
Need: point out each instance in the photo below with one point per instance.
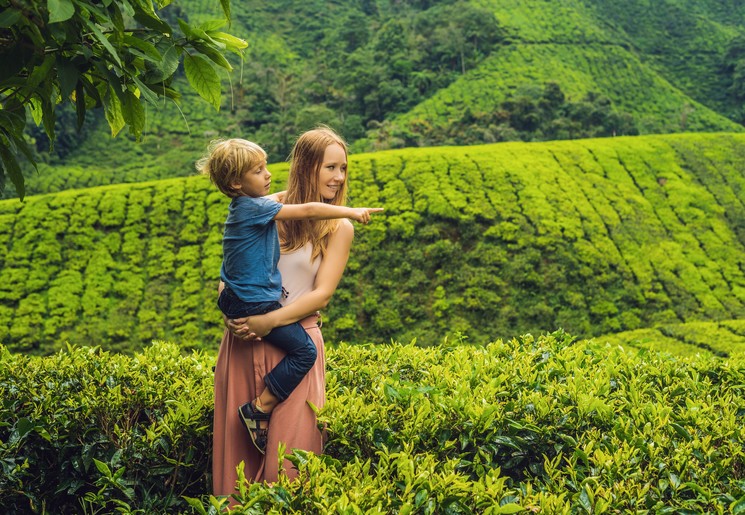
(300, 358)
(301, 355)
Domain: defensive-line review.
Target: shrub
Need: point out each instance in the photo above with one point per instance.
(532, 424)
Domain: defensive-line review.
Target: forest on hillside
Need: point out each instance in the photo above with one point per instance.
(405, 73)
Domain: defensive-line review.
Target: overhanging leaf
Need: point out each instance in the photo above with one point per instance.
(134, 114)
(9, 17)
(68, 76)
(80, 104)
(10, 164)
(148, 49)
(216, 56)
(203, 78)
(60, 10)
(232, 43)
(226, 8)
(104, 41)
(145, 91)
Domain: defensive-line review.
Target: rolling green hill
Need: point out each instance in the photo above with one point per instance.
(398, 74)
(661, 63)
(593, 236)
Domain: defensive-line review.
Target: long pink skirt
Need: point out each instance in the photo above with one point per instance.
(239, 378)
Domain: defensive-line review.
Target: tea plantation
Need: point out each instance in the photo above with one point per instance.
(542, 424)
(593, 236)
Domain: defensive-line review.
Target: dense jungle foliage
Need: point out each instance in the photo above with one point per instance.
(593, 236)
(546, 424)
(395, 73)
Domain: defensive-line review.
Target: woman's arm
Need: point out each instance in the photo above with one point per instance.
(327, 279)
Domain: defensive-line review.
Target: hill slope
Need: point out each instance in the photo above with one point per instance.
(664, 70)
(594, 236)
(392, 76)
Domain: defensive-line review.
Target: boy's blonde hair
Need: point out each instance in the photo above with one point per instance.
(302, 186)
(227, 160)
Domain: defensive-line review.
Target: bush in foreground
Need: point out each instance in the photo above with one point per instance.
(529, 425)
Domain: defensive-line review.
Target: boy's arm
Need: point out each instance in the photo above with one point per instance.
(321, 211)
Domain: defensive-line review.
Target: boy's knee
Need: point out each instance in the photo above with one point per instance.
(310, 356)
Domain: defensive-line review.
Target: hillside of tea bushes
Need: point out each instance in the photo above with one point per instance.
(545, 424)
(723, 338)
(592, 236)
(411, 73)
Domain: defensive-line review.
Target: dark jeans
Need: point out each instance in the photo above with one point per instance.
(300, 349)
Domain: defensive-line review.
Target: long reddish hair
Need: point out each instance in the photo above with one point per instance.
(302, 186)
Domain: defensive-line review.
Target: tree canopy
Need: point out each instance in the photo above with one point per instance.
(115, 54)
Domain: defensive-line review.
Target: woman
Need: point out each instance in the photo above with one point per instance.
(314, 255)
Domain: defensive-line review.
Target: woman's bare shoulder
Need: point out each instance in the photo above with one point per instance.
(345, 229)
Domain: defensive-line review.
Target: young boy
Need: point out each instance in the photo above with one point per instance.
(253, 285)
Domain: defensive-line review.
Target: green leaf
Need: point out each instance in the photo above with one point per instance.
(102, 467)
(196, 504)
(226, 8)
(13, 116)
(216, 56)
(170, 61)
(186, 29)
(68, 76)
(203, 78)
(60, 10)
(104, 41)
(134, 114)
(145, 91)
(9, 17)
(153, 22)
(682, 431)
(40, 72)
(510, 508)
(23, 427)
(148, 49)
(737, 507)
(584, 499)
(48, 117)
(80, 104)
(10, 163)
(232, 43)
(211, 25)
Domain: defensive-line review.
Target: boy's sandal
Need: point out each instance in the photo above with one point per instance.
(251, 417)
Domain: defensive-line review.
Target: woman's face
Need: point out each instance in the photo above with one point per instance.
(333, 171)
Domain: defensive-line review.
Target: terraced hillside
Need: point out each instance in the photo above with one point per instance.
(593, 236)
(662, 63)
(626, 67)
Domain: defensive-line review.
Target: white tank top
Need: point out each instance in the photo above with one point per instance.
(298, 273)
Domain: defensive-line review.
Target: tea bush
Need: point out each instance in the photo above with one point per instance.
(543, 424)
(593, 236)
(86, 430)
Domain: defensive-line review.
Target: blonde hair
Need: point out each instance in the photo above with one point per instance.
(227, 160)
(302, 186)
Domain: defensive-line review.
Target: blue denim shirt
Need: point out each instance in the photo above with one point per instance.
(251, 249)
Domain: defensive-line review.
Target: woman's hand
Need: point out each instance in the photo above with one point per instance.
(251, 328)
(240, 329)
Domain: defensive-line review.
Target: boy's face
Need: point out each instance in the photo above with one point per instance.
(255, 182)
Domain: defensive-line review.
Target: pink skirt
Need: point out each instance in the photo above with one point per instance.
(239, 378)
